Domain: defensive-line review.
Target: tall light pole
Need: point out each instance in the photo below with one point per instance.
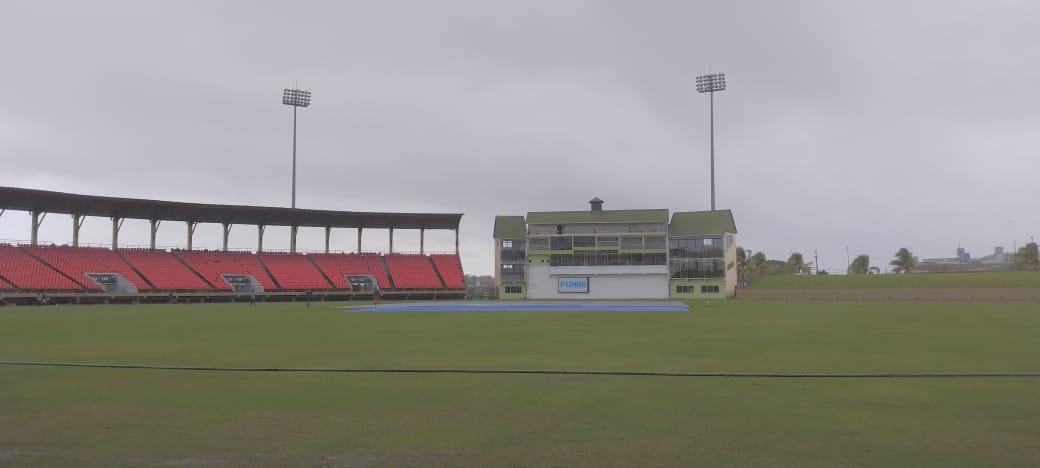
(711, 83)
(296, 98)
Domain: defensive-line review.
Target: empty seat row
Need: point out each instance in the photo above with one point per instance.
(450, 268)
(212, 265)
(51, 267)
(164, 270)
(294, 271)
(22, 271)
(76, 262)
(412, 272)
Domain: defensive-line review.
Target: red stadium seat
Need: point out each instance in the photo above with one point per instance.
(294, 271)
(450, 268)
(412, 272)
(338, 266)
(22, 271)
(76, 262)
(163, 270)
(211, 265)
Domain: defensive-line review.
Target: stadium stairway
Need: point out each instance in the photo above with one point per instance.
(135, 270)
(310, 259)
(437, 272)
(46, 278)
(76, 262)
(379, 262)
(293, 271)
(267, 270)
(449, 267)
(189, 267)
(164, 270)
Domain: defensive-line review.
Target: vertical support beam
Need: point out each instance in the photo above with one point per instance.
(292, 238)
(391, 239)
(422, 241)
(227, 232)
(191, 231)
(77, 222)
(456, 241)
(116, 224)
(34, 236)
(153, 230)
(260, 237)
(328, 234)
(359, 239)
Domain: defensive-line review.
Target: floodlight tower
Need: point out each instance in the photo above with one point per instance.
(296, 98)
(711, 83)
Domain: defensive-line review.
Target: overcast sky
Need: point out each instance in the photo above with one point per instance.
(872, 125)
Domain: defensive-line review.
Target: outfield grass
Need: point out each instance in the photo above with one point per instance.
(108, 417)
(996, 279)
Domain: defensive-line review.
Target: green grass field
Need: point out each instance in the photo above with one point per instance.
(996, 279)
(113, 417)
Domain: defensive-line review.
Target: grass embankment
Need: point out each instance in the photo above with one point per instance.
(996, 279)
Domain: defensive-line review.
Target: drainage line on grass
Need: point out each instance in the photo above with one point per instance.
(777, 375)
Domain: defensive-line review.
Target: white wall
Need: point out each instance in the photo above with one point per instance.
(542, 285)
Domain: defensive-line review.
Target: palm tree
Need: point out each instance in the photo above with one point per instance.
(1028, 257)
(795, 264)
(904, 261)
(860, 265)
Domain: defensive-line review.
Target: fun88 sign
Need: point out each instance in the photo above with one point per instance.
(574, 285)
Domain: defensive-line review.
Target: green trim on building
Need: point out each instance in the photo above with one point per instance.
(502, 294)
(697, 292)
(702, 223)
(605, 216)
(510, 227)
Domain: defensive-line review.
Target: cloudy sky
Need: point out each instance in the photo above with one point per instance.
(872, 125)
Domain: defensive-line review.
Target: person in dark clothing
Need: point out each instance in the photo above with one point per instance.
(307, 295)
(252, 295)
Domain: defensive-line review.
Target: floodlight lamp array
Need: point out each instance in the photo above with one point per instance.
(296, 97)
(711, 82)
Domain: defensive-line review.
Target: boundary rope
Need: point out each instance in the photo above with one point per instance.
(778, 375)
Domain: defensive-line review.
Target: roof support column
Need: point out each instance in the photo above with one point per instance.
(153, 230)
(328, 234)
(260, 237)
(117, 223)
(34, 236)
(227, 232)
(359, 239)
(391, 240)
(456, 241)
(191, 231)
(422, 241)
(292, 238)
(77, 222)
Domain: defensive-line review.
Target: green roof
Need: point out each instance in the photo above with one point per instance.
(605, 216)
(702, 223)
(510, 226)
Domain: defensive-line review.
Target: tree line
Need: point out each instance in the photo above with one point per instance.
(754, 265)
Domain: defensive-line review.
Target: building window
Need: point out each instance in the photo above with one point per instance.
(684, 289)
(507, 244)
(606, 258)
(561, 243)
(714, 289)
(629, 243)
(514, 289)
(655, 242)
(539, 244)
(513, 272)
(584, 241)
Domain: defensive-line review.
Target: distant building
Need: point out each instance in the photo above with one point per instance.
(998, 261)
